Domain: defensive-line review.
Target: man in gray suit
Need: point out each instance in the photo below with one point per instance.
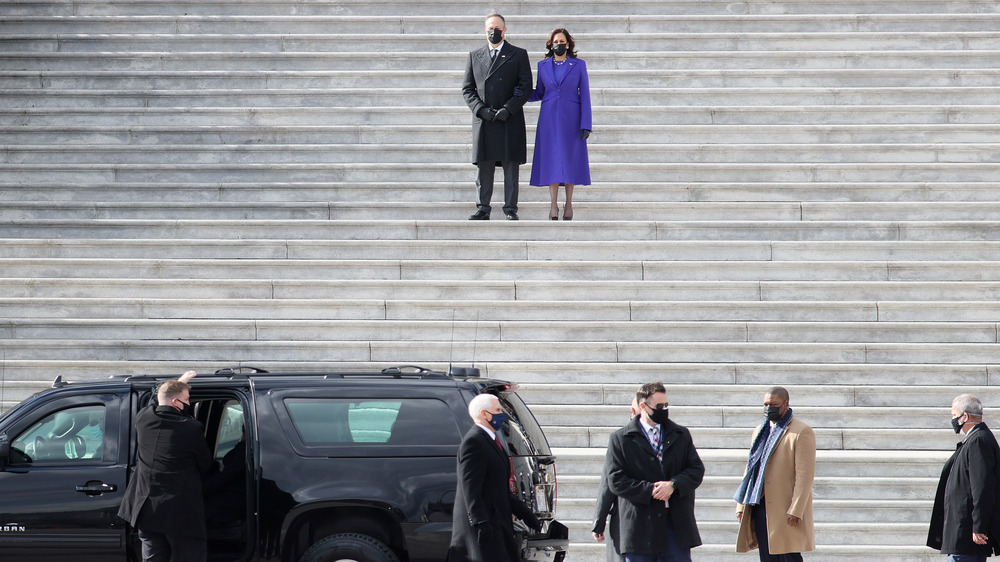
(497, 85)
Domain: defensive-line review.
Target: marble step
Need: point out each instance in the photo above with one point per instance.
(600, 43)
(38, 189)
(860, 439)
(459, 117)
(860, 97)
(491, 331)
(414, 61)
(833, 395)
(469, 350)
(957, 377)
(824, 511)
(592, 552)
(518, 26)
(607, 143)
(599, 78)
(525, 270)
(829, 463)
(514, 10)
(34, 232)
(860, 154)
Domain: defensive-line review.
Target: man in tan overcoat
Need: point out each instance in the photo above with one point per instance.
(774, 501)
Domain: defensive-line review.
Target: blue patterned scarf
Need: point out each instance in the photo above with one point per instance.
(752, 487)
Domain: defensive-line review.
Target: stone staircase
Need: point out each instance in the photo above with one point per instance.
(793, 192)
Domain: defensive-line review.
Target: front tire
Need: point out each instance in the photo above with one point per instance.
(349, 547)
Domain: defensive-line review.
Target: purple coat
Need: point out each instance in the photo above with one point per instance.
(560, 154)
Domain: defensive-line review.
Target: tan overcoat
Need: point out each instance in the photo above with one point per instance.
(788, 481)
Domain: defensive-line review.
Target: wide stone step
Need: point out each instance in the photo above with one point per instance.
(634, 78)
(601, 173)
(518, 270)
(723, 487)
(956, 376)
(143, 230)
(467, 350)
(861, 439)
(619, 153)
(457, 191)
(832, 395)
(601, 43)
(829, 463)
(511, 9)
(390, 25)
(490, 331)
(450, 97)
(592, 552)
(824, 511)
(410, 60)
(831, 533)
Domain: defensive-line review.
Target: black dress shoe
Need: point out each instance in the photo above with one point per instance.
(512, 216)
(480, 216)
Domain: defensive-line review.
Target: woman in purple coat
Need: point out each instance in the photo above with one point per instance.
(563, 123)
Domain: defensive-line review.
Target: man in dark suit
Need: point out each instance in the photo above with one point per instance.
(163, 498)
(482, 529)
(654, 470)
(497, 85)
(965, 519)
(607, 508)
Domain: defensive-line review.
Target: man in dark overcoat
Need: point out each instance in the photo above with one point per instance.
(482, 527)
(606, 512)
(965, 519)
(654, 470)
(163, 499)
(492, 75)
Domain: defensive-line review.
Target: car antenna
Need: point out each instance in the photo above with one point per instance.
(451, 356)
(3, 378)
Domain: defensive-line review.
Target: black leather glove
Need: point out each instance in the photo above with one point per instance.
(483, 533)
(584, 134)
(502, 114)
(487, 113)
(532, 522)
(518, 92)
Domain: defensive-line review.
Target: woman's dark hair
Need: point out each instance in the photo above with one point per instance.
(570, 44)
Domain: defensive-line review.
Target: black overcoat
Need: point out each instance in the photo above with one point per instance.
(487, 85)
(483, 497)
(966, 501)
(607, 508)
(172, 456)
(633, 470)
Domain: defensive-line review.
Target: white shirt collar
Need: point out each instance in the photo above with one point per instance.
(646, 426)
(489, 431)
(498, 47)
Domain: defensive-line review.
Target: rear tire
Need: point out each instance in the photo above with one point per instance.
(349, 547)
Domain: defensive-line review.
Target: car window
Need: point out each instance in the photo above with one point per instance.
(406, 421)
(524, 435)
(73, 435)
(230, 429)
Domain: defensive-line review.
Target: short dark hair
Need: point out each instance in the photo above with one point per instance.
(778, 391)
(496, 15)
(649, 389)
(570, 43)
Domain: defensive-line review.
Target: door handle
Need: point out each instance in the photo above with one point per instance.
(96, 488)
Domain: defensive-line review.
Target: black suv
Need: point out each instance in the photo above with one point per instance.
(330, 466)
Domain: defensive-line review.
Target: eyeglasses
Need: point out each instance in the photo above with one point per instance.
(659, 406)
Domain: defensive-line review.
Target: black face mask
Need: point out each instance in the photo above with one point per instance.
(659, 417)
(773, 413)
(957, 425)
(559, 49)
(495, 36)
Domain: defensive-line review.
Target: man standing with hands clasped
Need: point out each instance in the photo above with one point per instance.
(774, 500)
(497, 85)
(654, 470)
(482, 528)
(965, 520)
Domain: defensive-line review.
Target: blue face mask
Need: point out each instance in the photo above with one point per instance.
(497, 421)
